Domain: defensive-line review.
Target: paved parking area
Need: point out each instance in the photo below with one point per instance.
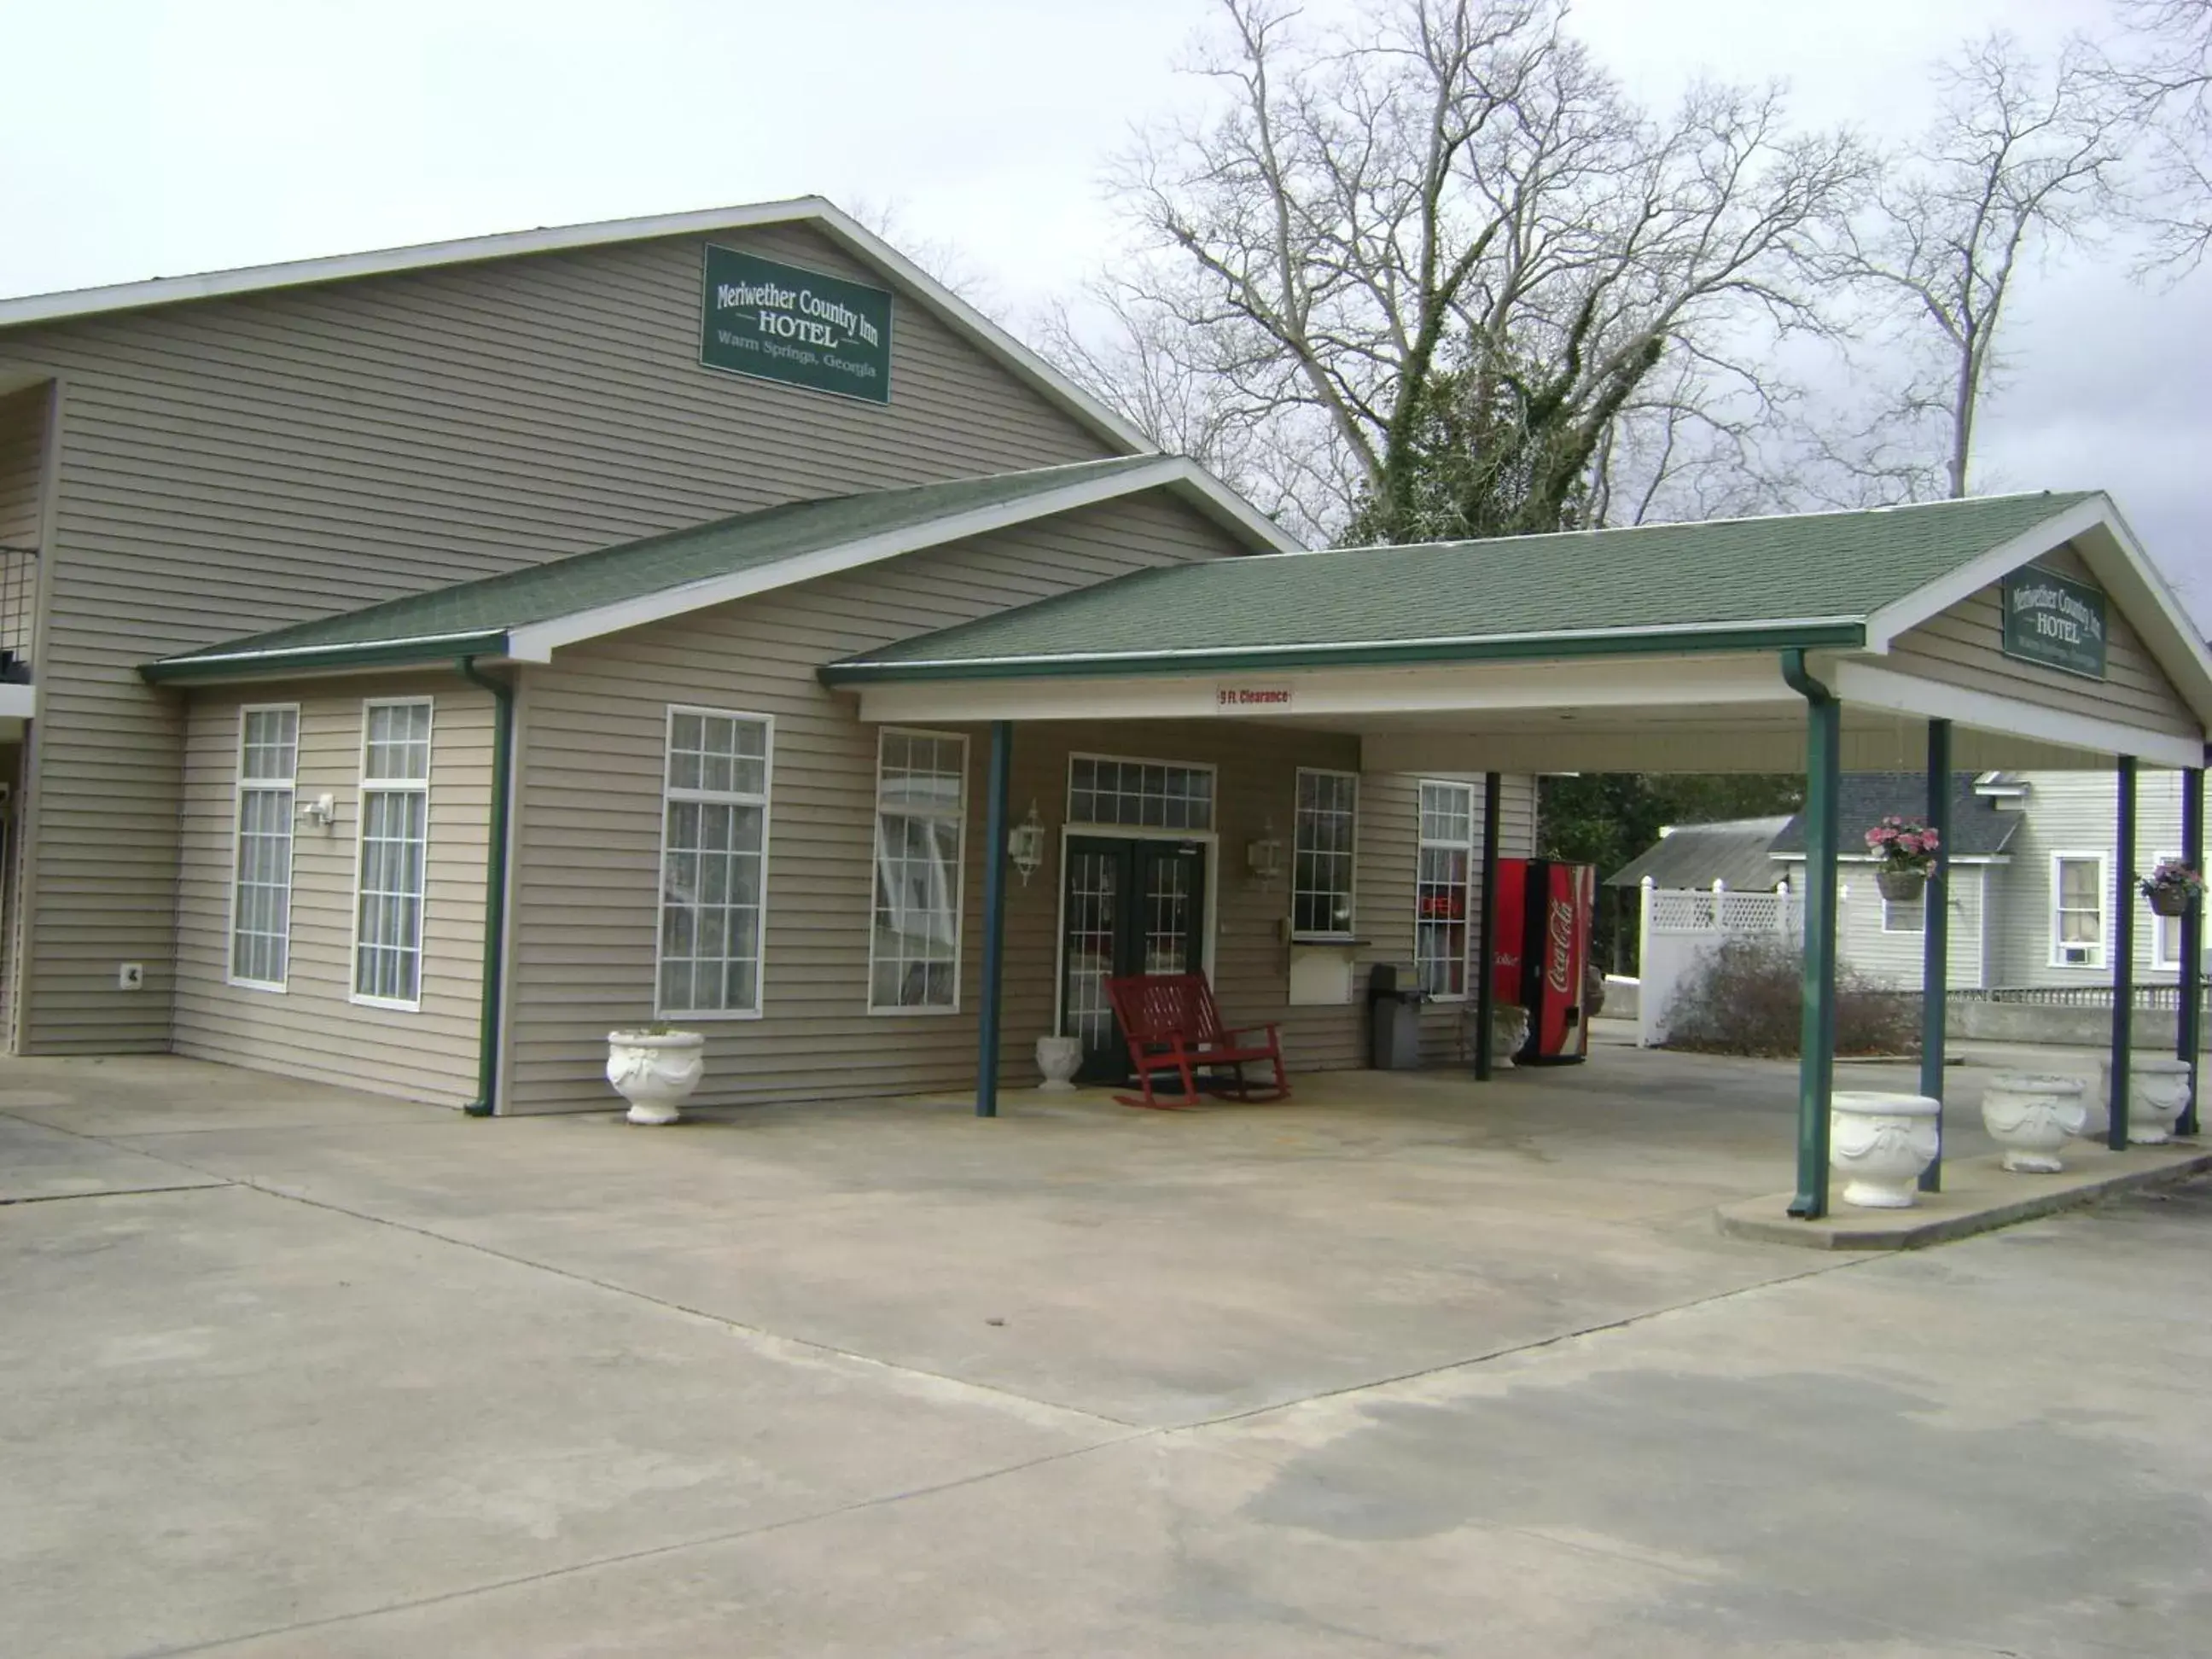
(1402, 1367)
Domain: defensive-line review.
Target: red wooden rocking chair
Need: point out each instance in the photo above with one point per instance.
(1172, 1025)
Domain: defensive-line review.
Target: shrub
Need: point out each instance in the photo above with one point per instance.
(1747, 999)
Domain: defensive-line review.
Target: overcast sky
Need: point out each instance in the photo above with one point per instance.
(140, 139)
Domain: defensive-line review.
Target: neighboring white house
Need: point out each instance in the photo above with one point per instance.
(2035, 877)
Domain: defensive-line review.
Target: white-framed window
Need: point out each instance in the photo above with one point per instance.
(914, 936)
(1443, 889)
(1321, 843)
(390, 853)
(1139, 793)
(2081, 900)
(2165, 931)
(261, 862)
(713, 864)
(1904, 915)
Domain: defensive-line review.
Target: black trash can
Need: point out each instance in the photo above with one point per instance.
(1393, 1018)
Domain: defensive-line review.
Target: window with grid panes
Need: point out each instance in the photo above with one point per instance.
(391, 852)
(1321, 851)
(261, 873)
(1142, 795)
(1443, 889)
(1904, 915)
(914, 941)
(2077, 923)
(714, 852)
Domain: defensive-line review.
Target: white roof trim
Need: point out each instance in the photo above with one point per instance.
(1864, 683)
(1867, 858)
(1689, 631)
(2143, 593)
(343, 646)
(1970, 578)
(536, 641)
(840, 226)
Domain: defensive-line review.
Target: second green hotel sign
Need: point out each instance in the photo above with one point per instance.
(786, 323)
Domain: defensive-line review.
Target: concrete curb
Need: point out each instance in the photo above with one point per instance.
(1978, 1196)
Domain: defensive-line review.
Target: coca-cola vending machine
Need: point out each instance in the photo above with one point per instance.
(1544, 911)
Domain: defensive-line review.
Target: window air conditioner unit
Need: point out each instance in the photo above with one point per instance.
(2074, 955)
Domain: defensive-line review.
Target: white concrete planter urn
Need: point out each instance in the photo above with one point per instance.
(1880, 1143)
(655, 1071)
(1509, 1029)
(1058, 1057)
(2158, 1094)
(2030, 1115)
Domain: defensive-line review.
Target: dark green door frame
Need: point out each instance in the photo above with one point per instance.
(1152, 876)
(1816, 1050)
(1935, 939)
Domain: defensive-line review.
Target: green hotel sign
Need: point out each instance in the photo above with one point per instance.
(785, 323)
(2054, 620)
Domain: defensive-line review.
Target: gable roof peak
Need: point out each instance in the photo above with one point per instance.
(816, 211)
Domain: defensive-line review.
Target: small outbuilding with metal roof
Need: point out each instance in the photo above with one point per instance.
(1736, 854)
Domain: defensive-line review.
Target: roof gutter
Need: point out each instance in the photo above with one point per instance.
(1798, 637)
(490, 1035)
(425, 652)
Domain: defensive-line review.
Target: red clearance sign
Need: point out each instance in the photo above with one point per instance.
(1252, 699)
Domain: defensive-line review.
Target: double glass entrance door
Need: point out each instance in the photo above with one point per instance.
(1131, 907)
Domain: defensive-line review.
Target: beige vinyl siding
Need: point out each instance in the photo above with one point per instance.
(589, 814)
(312, 1029)
(2070, 812)
(22, 506)
(1389, 849)
(1255, 792)
(22, 456)
(1964, 647)
(233, 464)
(1897, 959)
(13, 771)
(587, 877)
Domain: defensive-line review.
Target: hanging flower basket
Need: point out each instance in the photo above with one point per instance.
(1906, 847)
(2172, 888)
(1901, 886)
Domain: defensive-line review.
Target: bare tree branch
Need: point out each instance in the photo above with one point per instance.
(2161, 79)
(2022, 158)
(1431, 261)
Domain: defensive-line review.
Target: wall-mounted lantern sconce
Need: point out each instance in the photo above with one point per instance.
(318, 811)
(1025, 844)
(1263, 858)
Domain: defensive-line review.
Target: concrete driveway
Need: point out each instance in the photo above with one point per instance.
(1398, 1368)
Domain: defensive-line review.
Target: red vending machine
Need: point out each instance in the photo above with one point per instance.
(1544, 911)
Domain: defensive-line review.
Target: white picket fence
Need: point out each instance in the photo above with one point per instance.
(1678, 928)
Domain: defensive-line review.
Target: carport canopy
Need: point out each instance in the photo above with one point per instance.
(1653, 649)
(1996, 633)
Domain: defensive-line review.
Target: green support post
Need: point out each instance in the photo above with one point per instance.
(2123, 951)
(994, 918)
(2189, 1042)
(488, 1039)
(1485, 934)
(1816, 1059)
(1935, 939)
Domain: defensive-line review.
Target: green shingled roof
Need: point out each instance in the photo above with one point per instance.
(475, 617)
(1811, 579)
